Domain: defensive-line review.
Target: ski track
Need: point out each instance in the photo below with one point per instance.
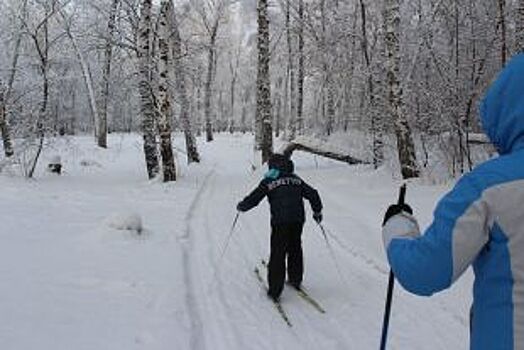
(197, 339)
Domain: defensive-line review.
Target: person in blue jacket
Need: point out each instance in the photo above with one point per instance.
(285, 192)
(479, 223)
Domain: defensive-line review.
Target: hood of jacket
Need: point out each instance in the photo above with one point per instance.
(502, 109)
(281, 163)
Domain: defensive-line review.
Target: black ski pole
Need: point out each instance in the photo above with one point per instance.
(224, 248)
(391, 284)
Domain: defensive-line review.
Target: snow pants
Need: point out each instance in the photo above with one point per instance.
(286, 244)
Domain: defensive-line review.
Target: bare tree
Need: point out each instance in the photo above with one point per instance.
(263, 109)
(291, 74)
(147, 107)
(164, 93)
(211, 14)
(4, 126)
(42, 43)
(376, 120)
(86, 71)
(6, 91)
(405, 146)
(180, 86)
(520, 26)
(106, 77)
(301, 68)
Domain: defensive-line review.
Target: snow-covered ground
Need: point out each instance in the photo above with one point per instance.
(101, 258)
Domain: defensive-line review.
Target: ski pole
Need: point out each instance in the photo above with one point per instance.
(332, 252)
(224, 248)
(391, 284)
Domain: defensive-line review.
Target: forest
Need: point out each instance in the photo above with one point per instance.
(413, 71)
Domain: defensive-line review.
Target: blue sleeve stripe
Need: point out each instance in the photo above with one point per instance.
(426, 265)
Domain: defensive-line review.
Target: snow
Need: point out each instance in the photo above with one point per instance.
(125, 221)
(70, 280)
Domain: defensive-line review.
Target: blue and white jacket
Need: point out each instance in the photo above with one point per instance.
(479, 223)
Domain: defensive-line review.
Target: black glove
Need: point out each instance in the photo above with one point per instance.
(395, 209)
(239, 207)
(317, 217)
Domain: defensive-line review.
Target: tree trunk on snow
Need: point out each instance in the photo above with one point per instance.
(5, 92)
(278, 107)
(147, 107)
(502, 23)
(405, 146)
(292, 118)
(301, 69)
(108, 55)
(4, 125)
(520, 27)
(263, 110)
(180, 85)
(86, 74)
(164, 95)
(43, 54)
(209, 85)
(376, 118)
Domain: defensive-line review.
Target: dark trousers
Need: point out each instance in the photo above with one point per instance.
(286, 243)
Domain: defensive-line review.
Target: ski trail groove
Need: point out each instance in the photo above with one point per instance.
(197, 339)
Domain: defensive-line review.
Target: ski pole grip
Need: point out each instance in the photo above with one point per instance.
(402, 195)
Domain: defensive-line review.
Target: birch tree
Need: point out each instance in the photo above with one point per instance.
(6, 91)
(263, 109)
(211, 14)
(520, 27)
(405, 146)
(106, 75)
(42, 44)
(375, 115)
(86, 71)
(291, 74)
(4, 126)
(164, 94)
(147, 107)
(181, 86)
(301, 69)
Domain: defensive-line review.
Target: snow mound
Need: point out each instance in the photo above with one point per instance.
(126, 221)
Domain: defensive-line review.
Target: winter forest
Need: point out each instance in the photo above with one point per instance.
(131, 128)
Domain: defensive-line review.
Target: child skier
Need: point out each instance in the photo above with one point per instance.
(285, 192)
(479, 223)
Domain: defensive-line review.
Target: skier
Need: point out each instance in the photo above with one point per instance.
(285, 192)
(480, 222)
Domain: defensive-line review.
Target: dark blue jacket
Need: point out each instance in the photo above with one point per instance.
(285, 192)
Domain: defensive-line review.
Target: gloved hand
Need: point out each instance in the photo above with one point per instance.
(395, 209)
(240, 207)
(317, 217)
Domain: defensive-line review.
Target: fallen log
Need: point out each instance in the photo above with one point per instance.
(320, 150)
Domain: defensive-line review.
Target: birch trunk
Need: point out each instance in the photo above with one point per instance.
(147, 108)
(405, 146)
(5, 92)
(181, 88)
(86, 74)
(291, 68)
(520, 27)
(301, 70)
(164, 96)
(108, 55)
(263, 109)
(376, 119)
(4, 126)
(209, 85)
(43, 54)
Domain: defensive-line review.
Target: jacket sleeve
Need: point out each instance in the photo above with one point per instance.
(312, 196)
(460, 229)
(254, 198)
